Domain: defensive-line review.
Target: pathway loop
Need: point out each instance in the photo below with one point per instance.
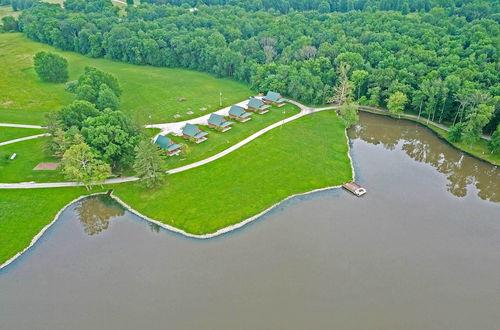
(304, 111)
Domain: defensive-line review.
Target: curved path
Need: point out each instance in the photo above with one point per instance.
(304, 111)
(23, 139)
(21, 126)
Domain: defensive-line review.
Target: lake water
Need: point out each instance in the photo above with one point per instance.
(420, 251)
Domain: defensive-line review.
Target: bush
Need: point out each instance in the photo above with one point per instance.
(455, 133)
(9, 24)
(51, 67)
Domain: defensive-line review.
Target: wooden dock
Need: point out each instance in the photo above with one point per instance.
(355, 188)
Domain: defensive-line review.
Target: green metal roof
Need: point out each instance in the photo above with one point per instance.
(218, 120)
(166, 143)
(274, 97)
(238, 111)
(174, 146)
(163, 141)
(257, 104)
(192, 130)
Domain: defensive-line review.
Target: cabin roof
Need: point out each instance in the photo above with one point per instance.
(218, 120)
(238, 111)
(166, 143)
(193, 131)
(274, 97)
(257, 104)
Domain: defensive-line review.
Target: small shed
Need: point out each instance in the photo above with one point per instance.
(219, 123)
(168, 145)
(256, 105)
(239, 113)
(274, 98)
(194, 133)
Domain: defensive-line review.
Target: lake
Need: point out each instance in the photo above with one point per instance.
(421, 250)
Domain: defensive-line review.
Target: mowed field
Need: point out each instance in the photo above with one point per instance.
(150, 94)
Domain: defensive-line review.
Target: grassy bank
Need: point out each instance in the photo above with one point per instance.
(147, 91)
(479, 150)
(218, 141)
(11, 133)
(23, 213)
(29, 154)
(306, 154)
(303, 155)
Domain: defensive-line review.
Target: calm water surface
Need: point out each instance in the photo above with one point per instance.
(420, 251)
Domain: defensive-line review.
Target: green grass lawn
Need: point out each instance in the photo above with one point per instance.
(303, 155)
(218, 141)
(11, 133)
(147, 91)
(29, 154)
(23, 213)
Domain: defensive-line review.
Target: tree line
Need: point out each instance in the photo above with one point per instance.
(443, 61)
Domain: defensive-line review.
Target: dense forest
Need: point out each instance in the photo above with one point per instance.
(442, 55)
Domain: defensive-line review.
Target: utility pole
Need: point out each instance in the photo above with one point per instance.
(220, 98)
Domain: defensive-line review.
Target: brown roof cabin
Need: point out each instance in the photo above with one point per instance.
(274, 98)
(238, 113)
(256, 105)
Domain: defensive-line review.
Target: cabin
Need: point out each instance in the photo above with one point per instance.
(256, 105)
(274, 98)
(168, 145)
(240, 114)
(219, 123)
(193, 133)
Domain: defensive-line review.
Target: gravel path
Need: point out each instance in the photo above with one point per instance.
(23, 139)
(21, 126)
(304, 111)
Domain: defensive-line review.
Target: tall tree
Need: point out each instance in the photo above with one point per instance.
(149, 164)
(342, 92)
(494, 143)
(81, 165)
(51, 67)
(397, 102)
(475, 121)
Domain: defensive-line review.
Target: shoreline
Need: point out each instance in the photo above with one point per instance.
(423, 124)
(170, 228)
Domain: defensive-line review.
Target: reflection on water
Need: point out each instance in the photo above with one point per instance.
(423, 146)
(94, 213)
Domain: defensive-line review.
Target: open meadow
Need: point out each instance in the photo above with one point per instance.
(149, 94)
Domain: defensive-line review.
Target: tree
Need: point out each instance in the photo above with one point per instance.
(130, 2)
(475, 121)
(90, 85)
(112, 136)
(455, 132)
(397, 102)
(9, 24)
(349, 114)
(51, 67)
(76, 113)
(149, 164)
(106, 98)
(358, 78)
(324, 7)
(81, 165)
(494, 143)
(342, 92)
